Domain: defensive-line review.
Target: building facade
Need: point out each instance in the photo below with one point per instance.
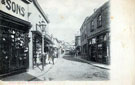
(84, 35)
(97, 35)
(14, 29)
(23, 35)
(39, 36)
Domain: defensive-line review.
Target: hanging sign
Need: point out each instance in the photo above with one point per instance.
(16, 8)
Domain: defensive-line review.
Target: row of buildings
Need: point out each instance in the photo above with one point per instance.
(23, 34)
(94, 40)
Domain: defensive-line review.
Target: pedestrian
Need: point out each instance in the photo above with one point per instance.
(51, 55)
(57, 52)
(35, 59)
(76, 53)
(43, 58)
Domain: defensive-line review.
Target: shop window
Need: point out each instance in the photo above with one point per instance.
(105, 37)
(93, 40)
(99, 45)
(99, 20)
(100, 51)
(14, 49)
(100, 39)
(90, 42)
(93, 52)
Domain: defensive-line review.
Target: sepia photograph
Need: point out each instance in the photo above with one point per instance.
(43, 41)
(56, 40)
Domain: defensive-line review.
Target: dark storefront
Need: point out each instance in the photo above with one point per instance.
(37, 44)
(98, 48)
(97, 28)
(13, 44)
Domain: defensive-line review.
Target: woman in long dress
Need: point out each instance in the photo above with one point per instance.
(51, 55)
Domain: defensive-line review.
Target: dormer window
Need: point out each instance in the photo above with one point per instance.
(92, 26)
(99, 20)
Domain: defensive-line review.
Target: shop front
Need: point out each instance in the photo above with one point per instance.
(37, 47)
(14, 29)
(99, 48)
(39, 22)
(37, 43)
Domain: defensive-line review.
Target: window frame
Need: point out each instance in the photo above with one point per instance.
(99, 21)
(92, 26)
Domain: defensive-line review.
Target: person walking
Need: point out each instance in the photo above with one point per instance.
(57, 52)
(43, 58)
(51, 55)
(76, 53)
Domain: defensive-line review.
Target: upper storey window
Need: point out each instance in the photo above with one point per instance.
(99, 20)
(92, 26)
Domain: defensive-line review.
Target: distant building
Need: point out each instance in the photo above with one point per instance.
(95, 36)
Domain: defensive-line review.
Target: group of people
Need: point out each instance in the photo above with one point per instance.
(76, 53)
(47, 56)
(50, 55)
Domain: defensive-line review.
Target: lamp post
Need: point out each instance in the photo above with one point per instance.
(43, 25)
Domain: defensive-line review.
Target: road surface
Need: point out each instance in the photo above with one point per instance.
(69, 68)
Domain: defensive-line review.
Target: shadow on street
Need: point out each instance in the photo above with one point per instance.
(21, 77)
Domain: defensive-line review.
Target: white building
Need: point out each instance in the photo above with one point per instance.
(39, 22)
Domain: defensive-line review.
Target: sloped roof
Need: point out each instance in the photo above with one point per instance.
(41, 11)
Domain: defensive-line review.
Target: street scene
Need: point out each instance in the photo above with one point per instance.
(67, 67)
(64, 41)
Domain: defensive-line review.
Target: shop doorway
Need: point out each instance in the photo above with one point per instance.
(37, 43)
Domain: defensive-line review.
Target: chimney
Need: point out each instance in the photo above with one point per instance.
(95, 10)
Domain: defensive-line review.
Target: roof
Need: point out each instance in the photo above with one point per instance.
(27, 1)
(47, 37)
(101, 8)
(95, 13)
(41, 11)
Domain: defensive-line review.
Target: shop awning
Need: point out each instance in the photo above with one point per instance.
(48, 39)
(14, 22)
(37, 32)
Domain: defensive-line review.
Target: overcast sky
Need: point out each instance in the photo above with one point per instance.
(67, 16)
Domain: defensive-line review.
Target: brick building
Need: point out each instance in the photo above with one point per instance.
(95, 36)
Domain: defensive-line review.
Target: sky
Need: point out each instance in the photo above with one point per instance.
(67, 16)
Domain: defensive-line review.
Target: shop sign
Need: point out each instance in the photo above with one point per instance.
(16, 8)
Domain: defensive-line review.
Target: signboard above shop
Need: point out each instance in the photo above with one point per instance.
(15, 8)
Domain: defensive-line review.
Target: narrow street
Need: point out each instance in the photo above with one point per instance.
(69, 68)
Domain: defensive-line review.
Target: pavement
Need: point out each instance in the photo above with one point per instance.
(104, 66)
(67, 67)
(31, 74)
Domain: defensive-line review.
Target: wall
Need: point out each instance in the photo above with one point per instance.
(35, 17)
(104, 11)
(15, 8)
(86, 27)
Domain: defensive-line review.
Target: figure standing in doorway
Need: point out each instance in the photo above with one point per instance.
(51, 55)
